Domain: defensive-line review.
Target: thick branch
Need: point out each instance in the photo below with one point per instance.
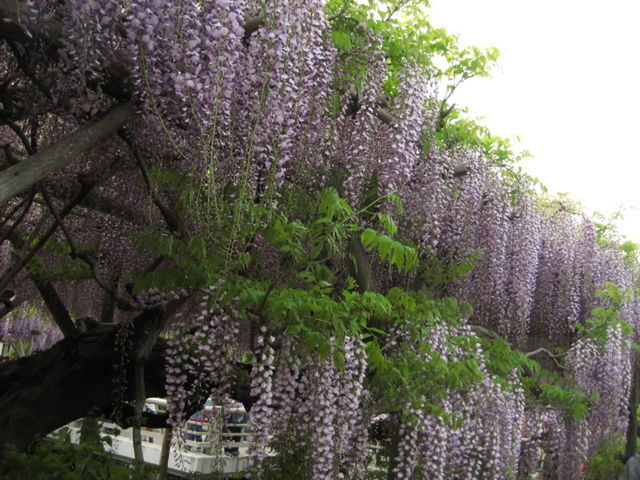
(55, 306)
(20, 177)
(361, 268)
(12, 14)
(75, 378)
(50, 296)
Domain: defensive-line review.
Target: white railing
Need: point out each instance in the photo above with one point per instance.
(212, 441)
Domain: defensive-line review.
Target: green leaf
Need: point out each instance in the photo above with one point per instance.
(368, 237)
(342, 40)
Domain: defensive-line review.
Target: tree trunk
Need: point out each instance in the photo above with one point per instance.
(632, 428)
(75, 378)
(137, 418)
(395, 422)
(164, 454)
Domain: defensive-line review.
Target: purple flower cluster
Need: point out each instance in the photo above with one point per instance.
(201, 348)
(257, 114)
(90, 40)
(28, 332)
(312, 401)
(287, 74)
(605, 370)
(262, 413)
(479, 436)
(361, 137)
(185, 55)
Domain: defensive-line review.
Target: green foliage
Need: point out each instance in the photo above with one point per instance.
(602, 319)
(438, 272)
(501, 359)
(606, 230)
(310, 295)
(64, 268)
(58, 459)
(456, 130)
(403, 257)
(568, 398)
(630, 251)
(606, 462)
(407, 36)
(293, 459)
(311, 299)
(540, 386)
(195, 265)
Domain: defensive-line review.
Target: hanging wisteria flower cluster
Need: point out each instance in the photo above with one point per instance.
(605, 370)
(201, 349)
(484, 443)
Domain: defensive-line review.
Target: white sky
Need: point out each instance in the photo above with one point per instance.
(568, 84)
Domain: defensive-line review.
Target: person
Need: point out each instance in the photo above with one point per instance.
(631, 469)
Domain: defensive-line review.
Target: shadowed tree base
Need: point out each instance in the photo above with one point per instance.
(76, 378)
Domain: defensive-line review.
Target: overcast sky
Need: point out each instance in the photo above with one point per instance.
(568, 85)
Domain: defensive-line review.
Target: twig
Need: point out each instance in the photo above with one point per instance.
(553, 356)
(343, 9)
(26, 258)
(10, 158)
(485, 332)
(172, 221)
(17, 222)
(23, 138)
(27, 71)
(395, 10)
(123, 302)
(12, 212)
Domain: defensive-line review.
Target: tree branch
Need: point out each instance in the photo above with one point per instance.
(26, 203)
(552, 356)
(123, 302)
(24, 259)
(22, 63)
(172, 220)
(360, 267)
(74, 378)
(52, 300)
(20, 177)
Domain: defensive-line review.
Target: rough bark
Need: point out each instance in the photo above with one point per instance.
(361, 268)
(20, 177)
